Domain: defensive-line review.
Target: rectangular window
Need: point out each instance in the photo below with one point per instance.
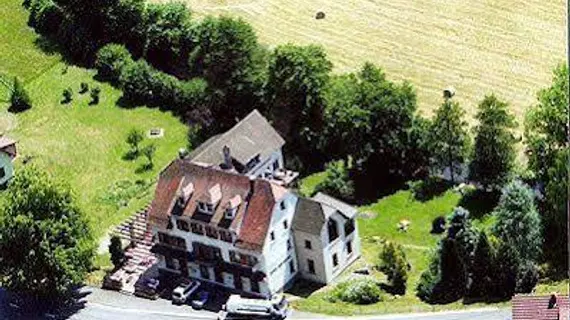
(254, 286)
(182, 225)
(349, 247)
(272, 235)
(291, 266)
(285, 224)
(349, 227)
(2, 172)
(196, 228)
(283, 205)
(211, 232)
(204, 272)
(226, 236)
(335, 260)
(289, 244)
(308, 245)
(311, 265)
(333, 230)
(275, 165)
(171, 263)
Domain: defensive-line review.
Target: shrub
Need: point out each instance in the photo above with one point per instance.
(438, 225)
(136, 82)
(337, 182)
(363, 291)
(84, 87)
(67, 95)
(394, 265)
(527, 278)
(110, 61)
(19, 100)
(45, 16)
(116, 252)
(95, 95)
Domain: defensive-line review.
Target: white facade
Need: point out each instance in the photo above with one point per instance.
(316, 253)
(279, 248)
(267, 166)
(339, 247)
(275, 261)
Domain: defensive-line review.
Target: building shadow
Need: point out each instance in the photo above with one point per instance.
(304, 288)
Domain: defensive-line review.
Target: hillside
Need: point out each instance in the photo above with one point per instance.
(504, 46)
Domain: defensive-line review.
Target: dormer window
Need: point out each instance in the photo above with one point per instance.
(232, 206)
(186, 193)
(208, 201)
(206, 207)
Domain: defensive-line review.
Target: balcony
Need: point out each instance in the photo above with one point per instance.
(283, 177)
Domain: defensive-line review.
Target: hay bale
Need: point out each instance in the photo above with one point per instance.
(320, 15)
(448, 92)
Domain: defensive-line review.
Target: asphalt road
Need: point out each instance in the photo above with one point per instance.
(98, 304)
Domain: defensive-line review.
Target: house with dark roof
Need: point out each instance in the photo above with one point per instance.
(252, 147)
(8, 153)
(326, 237)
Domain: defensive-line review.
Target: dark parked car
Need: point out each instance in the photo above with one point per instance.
(200, 300)
(148, 288)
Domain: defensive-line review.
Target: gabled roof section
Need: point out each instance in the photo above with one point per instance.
(309, 216)
(257, 218)
(345, 209)
(254, 199)
(251, 136)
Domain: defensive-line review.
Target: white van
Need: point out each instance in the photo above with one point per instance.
(276, 308)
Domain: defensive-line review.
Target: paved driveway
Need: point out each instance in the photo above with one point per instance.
(98, 304)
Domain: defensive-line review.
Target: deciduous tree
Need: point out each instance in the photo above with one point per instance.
(45, 240)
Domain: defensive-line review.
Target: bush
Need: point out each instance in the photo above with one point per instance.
(527, 278)
(363, 291)
(110, 61)
(84, 87)
(95, 95)
(19, 100)
(116, 251)
(394, 265)
(136, 82)
(67, 95)
(438, 225)
(45, 16)
(337, 182)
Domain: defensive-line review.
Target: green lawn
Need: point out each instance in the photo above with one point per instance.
(18, 49)
(78, 143)
(418, 244)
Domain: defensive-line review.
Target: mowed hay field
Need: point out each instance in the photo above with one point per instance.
(508, 47)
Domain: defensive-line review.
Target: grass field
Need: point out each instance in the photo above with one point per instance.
(418, 244)
(78, 143)
(504, 46)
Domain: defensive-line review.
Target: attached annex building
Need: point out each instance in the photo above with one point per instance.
(247, 232)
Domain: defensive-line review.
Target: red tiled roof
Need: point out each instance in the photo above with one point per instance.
(536, 308)
(252, 217)
(257, 217)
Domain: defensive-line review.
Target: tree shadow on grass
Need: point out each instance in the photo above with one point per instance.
(130, 155)
(480, 202)
(144, 168)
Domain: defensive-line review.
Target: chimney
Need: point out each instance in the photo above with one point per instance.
(227, 158)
